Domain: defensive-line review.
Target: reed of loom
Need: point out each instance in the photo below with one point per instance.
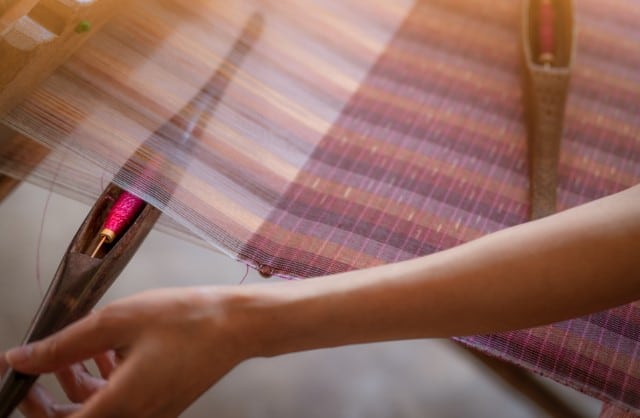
(548, 35)
(90, 265)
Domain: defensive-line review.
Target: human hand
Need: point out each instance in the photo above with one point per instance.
(169, 346)
(76, 381)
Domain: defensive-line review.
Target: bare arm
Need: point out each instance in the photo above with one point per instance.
(583, 260)
(577, 262)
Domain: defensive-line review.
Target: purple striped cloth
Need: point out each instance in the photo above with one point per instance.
(430, 152)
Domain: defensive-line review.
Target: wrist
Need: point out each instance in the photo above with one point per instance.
(255, 320)
(361, 306)
(263, 320)
(286, 317)
(258, 318)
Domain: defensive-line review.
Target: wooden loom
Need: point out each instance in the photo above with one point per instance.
(36, 36)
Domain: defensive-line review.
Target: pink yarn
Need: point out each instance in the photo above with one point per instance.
(123, 212)
(546, 35)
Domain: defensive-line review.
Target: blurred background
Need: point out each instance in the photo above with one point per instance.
(420, 378)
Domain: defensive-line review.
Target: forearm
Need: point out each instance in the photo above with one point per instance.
(579, 261)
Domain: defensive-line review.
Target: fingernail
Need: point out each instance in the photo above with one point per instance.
(19, 355)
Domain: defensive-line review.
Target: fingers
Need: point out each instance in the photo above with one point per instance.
(117, 398)
(94, 334)
(138, 387)
(78, 384)
(65, 410)
(39, 404)
(106, 363)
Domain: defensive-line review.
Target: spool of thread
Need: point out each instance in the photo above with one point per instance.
(122, 214)
(546, 32)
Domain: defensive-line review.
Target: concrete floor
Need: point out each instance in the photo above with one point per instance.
(401, 379)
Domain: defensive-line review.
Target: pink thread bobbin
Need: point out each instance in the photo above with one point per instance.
(127, 207)
(546, 32)
(123, 212)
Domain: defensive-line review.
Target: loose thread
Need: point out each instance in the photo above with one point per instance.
(246, 273)
(39, 241)
(43, 218)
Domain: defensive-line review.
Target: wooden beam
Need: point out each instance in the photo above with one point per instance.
(24, 152)
(36, 36)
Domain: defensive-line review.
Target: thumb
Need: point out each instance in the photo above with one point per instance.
(84, 339)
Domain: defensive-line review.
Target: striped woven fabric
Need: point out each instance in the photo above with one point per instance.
(431, 152)
(611, 411)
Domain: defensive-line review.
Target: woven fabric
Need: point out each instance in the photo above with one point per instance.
(320, 158)
(610, 411)
(431, 152)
